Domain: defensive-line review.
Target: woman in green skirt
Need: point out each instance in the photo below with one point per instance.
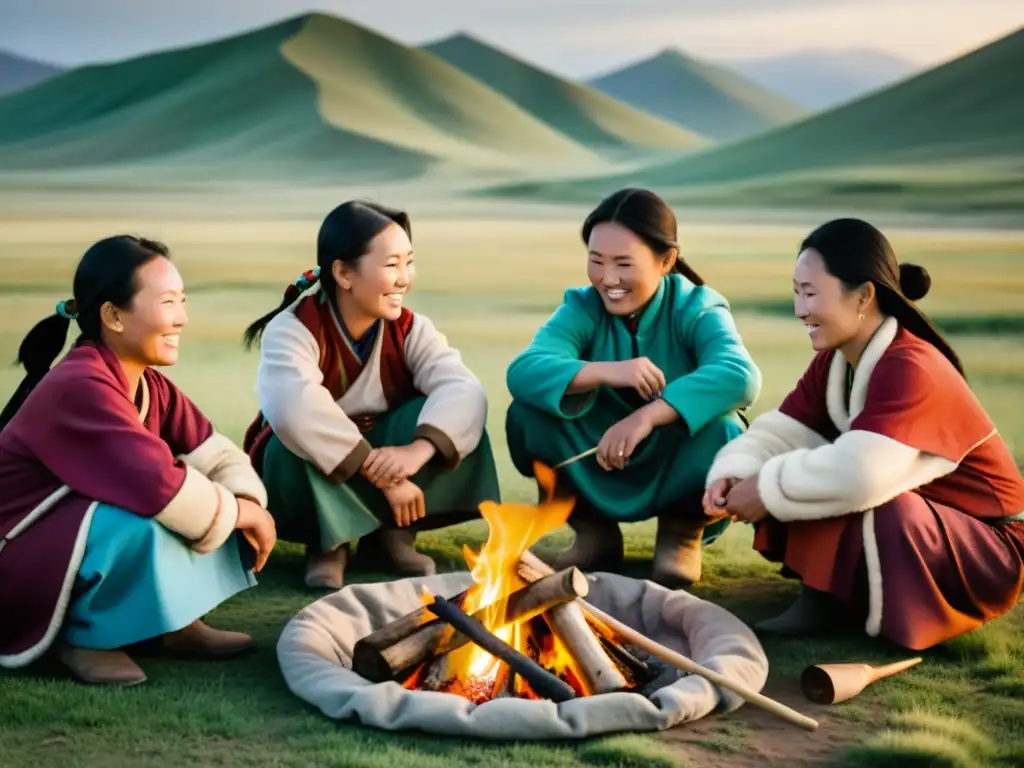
(370, 424)
(646, 366)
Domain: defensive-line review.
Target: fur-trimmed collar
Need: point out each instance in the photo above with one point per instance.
(835, 398)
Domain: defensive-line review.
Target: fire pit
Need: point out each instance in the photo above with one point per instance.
(510, 651)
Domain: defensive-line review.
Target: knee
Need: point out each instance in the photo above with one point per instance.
(906, 517)
(517, 417)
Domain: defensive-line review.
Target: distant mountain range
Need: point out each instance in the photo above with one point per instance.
(585, 115)
(17, 72)
(712, 100)
(822, 79)
(953, 134)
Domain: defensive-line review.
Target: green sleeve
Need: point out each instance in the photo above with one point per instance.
(540, 374)
(726, 377)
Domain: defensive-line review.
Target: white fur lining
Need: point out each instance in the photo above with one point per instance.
(835, 395)
(224, 462)
(859, 471)
(30, 655)
(771, 434)
(193, 510)
(223, 524)
(873, 564)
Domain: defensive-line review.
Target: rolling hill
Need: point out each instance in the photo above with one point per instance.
(712, 100)
(314, 95)
(589, 117)
(954, 127)
(17, 72)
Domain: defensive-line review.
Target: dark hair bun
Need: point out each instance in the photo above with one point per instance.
(914, 281)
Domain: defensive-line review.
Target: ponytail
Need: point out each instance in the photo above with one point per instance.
(915, 321)
(687, 271)
(37, 352)
(305, 281)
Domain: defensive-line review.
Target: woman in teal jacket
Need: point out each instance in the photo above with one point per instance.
(646, 364)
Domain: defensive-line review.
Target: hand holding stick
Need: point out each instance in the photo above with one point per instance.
(679, 661)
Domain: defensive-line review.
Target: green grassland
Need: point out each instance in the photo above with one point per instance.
(488, 282)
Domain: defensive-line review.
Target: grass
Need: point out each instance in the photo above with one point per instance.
(488, 283)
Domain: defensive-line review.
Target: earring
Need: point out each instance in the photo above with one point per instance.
(861, 318)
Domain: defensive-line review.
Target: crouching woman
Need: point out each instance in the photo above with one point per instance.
(124, 515)
(371, 428)
(647, 366)
(880, 482)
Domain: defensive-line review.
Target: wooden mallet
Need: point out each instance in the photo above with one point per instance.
(832, 683)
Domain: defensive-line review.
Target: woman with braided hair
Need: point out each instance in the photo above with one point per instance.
(880, 481)
(124, 515)
(370, 424)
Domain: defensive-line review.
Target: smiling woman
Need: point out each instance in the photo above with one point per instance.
(370, 424)
(119, 501)
(646, 364)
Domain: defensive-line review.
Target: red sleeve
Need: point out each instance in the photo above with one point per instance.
(807, 402)
(924, 404)
(90, 436)
(182, 425)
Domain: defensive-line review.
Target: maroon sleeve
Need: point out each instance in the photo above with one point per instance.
(807, 402)
(92, 439)
(924, 404)
(182, 425)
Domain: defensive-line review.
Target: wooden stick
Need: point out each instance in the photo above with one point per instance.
(543, 683)
(600, 673)
(679, 661)
(577, 457)
(397, 648)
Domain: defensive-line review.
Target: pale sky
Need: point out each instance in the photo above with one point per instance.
(574, 37)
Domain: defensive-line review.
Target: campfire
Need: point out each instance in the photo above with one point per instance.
(519, 630)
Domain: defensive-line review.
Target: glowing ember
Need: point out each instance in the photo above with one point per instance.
(472, 672)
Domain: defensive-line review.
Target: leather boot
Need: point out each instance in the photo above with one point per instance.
(598, 545)
(812, 612)
(677, 550)
(394, 550)
(101, 667)
(203, 641)
(326, 570)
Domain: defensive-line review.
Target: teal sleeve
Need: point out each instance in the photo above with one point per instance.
(540, 374)
(726, 377)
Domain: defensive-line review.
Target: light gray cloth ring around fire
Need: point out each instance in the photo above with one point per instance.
(315, 654)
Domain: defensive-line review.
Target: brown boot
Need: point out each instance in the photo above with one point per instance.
(101, 667)
(199, 639)
(811, 613)
(677, 550)
(326, 570)
(396, 548)
(598, 545)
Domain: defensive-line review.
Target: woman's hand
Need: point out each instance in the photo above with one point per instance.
(716, 494)
(407, 504)
(640, 374)
(259, 529)
(619, 442)
(392, 464)
(744, 502)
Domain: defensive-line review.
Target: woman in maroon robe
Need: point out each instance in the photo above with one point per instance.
(119, 501)
(880, 481)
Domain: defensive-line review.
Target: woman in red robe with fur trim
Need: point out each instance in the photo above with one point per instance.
(880, 481)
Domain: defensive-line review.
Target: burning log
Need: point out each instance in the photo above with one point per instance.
(542, 682)
(677, 660)
(402, 645)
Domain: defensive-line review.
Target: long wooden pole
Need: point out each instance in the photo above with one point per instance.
(679, 661)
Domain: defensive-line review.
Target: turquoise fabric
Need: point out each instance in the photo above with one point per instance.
(685, 330)
(139, 580)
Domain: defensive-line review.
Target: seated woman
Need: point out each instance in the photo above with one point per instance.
(369, 420)
(646, 365)
(119, 501)
(880, 482)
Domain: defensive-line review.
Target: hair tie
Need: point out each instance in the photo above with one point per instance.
(307, 278)
(67, 309)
